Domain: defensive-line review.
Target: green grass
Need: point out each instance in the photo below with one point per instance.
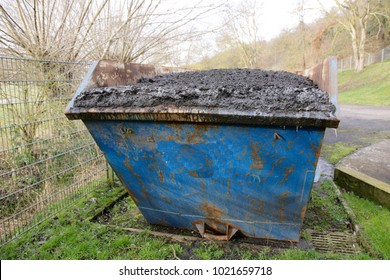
(374, 221)
(325, 213)
(209, 251)
(73, 234)
(333, 153)
(368, 87)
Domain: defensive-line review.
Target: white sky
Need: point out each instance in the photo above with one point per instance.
(277, 15)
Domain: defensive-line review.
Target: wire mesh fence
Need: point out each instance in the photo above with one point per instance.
(348, 63)
(46, 161)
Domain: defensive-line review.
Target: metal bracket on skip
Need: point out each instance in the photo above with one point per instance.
(230, 232)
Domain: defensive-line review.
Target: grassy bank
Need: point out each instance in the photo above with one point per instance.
(369, 87)
(375, 222)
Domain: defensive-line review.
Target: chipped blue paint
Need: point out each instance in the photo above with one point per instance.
(254, 178)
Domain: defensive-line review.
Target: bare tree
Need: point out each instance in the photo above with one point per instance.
(242, 30)
(52, 29)
(127, 30)
(354, 18)
(136, 29)
(300, 12)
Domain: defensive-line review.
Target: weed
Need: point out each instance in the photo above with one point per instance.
(264, 254)
(306, 235)
(296, 254)
(324, 210)
(209, 251)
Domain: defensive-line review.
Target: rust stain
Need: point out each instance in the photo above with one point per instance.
(170, 138)
(255, 150)
(228, 187)
(121, 179)
(212, 211)
(193, 173)
(166, 199)
(287, 172)
(197, 135)
(172, 176)
(245, 151)
(303, 212)
(257, 162)
(161, 176)
(138, 178)
(282, 198)
(214, 226)
(317, 152)
(277, 162)
(126, 132)
(256, 206)
(260, 206)
(132, 196)
(127, 189)
(257, 165)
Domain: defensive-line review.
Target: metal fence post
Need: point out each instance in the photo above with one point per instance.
(350, 62)
(383, 55)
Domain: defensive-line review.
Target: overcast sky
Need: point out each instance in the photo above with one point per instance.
(277, 15)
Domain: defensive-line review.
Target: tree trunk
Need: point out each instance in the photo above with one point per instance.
(360, 62)
(358, 47)
(355, 48)
(362, 45)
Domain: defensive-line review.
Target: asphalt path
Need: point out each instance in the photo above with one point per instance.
(361, 125)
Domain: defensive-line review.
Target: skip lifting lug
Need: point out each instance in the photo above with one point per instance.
(230, 232)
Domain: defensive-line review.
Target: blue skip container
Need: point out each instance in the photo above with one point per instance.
(216, 171)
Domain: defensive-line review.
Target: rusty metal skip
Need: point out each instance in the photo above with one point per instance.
(218, 173)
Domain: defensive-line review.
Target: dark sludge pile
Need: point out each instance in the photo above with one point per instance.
(247, 90)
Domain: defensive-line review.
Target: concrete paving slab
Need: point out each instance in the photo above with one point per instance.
(373, 161)
(367, 172)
